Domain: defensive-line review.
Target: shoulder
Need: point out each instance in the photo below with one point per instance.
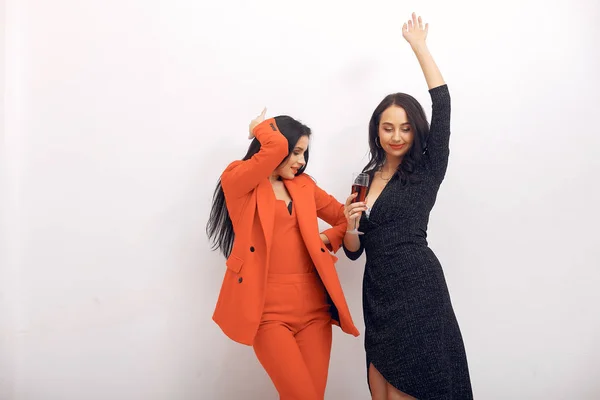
(232, 165)
(227, 176)
(305, 179)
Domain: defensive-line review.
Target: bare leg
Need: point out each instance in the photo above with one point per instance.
(382, 390)
(378, 384)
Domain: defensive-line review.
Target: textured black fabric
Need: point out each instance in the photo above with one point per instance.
(412, 336)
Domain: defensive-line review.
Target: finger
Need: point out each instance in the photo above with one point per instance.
(420, 20)
(264, 111)
(350, 198)
(404, 28)
(414, 19)
(356, 211)
(357, 205)
(426, 28)
(410, 25)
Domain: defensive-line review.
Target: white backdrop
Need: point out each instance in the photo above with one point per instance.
(120, 115)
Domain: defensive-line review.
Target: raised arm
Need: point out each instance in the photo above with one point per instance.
(415, 34)
(241, 177)
(438, 150)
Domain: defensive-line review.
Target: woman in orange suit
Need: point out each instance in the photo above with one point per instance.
(281, 293)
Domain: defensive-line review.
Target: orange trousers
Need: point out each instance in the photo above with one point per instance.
(293, 342)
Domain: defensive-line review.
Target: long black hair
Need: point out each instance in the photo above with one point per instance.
(219, 227)
(418, 122)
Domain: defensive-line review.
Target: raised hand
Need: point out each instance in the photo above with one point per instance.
(256, 121)
(415, 34)
(414, 31)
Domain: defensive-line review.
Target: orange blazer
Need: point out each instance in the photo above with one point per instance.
(250, 201)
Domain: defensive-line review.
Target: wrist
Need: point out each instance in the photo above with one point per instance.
(419, 47)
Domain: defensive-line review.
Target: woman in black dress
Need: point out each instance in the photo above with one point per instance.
(413, 343)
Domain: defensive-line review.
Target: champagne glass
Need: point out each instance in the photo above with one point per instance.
(360, 185)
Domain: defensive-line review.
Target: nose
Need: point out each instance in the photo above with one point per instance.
(397, 135)
(301, 161)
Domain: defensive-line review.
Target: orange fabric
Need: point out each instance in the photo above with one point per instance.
(250, 202)
(289, 254)
(293, 342)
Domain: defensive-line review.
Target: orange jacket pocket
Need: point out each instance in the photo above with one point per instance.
(234, 263)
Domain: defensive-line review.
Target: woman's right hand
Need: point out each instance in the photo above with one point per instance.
(254, 123)
(353, 211)
(414, 31)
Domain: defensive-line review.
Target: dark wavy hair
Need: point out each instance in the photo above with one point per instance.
(219, 227)
(420, 127)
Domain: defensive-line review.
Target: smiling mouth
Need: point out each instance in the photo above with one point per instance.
(396, 146)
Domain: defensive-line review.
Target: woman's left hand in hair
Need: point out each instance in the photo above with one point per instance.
(414, 31)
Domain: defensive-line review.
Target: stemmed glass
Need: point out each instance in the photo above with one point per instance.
(360, 185)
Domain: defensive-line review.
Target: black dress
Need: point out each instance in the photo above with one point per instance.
(412, 336)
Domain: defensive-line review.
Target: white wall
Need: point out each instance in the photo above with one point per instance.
(126, 111)
(5, 324)
(8, 208)
(6, 360)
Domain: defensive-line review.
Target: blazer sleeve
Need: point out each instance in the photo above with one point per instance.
(331, 211)
(241, 177)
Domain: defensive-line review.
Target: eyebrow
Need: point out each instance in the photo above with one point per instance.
(298, 148)
(389, 123)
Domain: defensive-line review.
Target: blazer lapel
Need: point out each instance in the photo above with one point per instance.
(265, 199)
(306, 215)
(309, 227)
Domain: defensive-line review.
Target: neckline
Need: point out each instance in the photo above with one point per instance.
(287, 205)
(370, 209)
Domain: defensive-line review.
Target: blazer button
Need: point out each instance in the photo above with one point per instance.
(322, 250)
(240, 279)
(252, 249)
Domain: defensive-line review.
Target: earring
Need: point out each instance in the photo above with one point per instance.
(377, 142)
